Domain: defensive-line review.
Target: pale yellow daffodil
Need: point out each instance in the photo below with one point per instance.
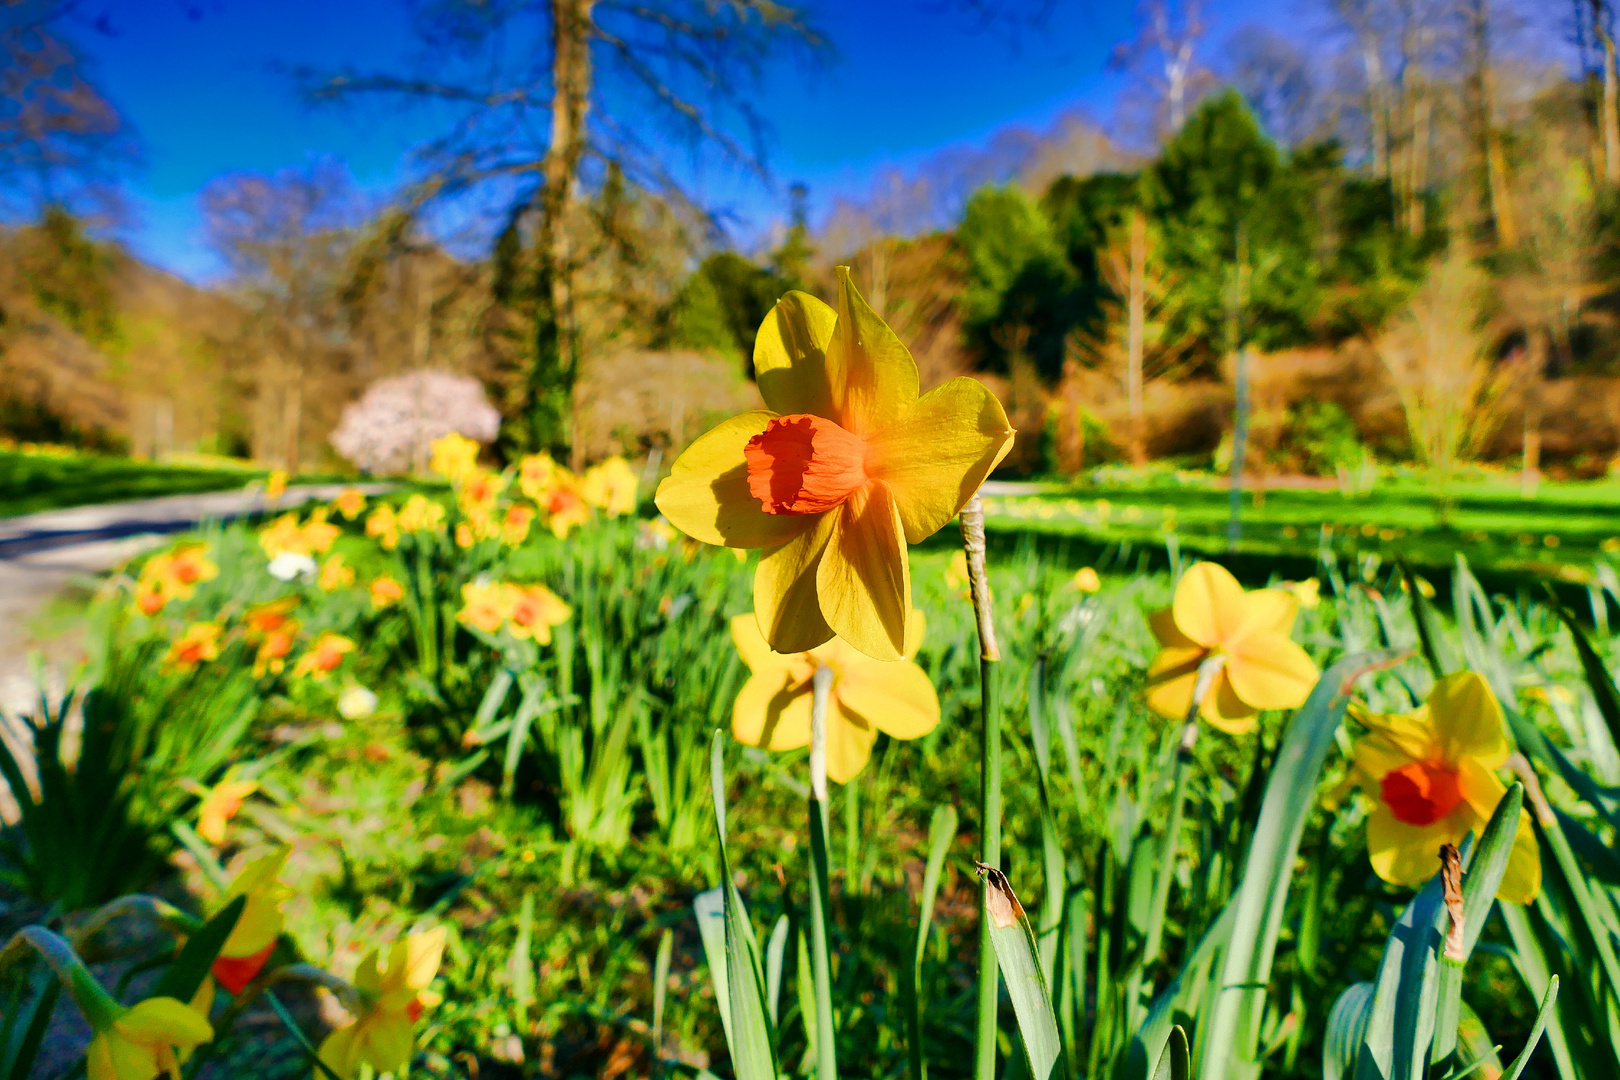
(253, 938)
(453, 456)
(147, 1040)
(1263, 667)
(773, 708)
(382, 1036)
(844, 467)
(1432, 777)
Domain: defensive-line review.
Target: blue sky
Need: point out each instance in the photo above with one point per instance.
(202, 83)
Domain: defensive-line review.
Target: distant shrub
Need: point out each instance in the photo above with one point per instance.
(390, 428)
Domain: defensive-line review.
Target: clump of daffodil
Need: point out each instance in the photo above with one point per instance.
(287, 536)
(526, 611)
(253, 938)
(1431, 775)
(556, 491)
(420, 514)
(611, 487)
(1262, 667)
(773, 708)
(843, 469)
(335, 573)
(382, 524)
(173, 575)
(394, 997)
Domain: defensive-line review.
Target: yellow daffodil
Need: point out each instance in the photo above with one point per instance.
(453, 456)
(532, 610)
(253, 938)
(484, 606)
(173, 575)
(1263, 669)
(218, 804)
(611, 487)
(515, 524)
(275, 485)
(335, 574)
(465, 537)
(843, 469)
(420, 514)
(534, 476)
(286, 536)
(386, 592)
(383, 524)
(350, 503)
(324, 658)
(271, 627)
(1307, 593)
(566, 510)
(478, 490)
(382, 1036)
(319, 534)
(1086, 580)
(1432, 777)
(198, 644)
(773, 708)
(147, 1040)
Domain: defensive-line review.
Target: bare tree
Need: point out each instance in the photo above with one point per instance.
(59, 134)
(286, 238)
(531, 133)
(1170, 38)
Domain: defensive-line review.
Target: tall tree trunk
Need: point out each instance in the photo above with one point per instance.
(555, 369)
(1497, 191)
(292, 416)
(1135, 341)
(1610, 117)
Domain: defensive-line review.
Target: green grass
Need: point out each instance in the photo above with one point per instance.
(33, 482)
(1559, 534)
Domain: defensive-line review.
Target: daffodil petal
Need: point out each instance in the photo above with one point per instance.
(341, 1050)
(423, 953)
(849, 745)
(706, 493)
(1405, 854)
(1479, 787)
(1209, 604)
(1171, 680)
(771, 714)
(759, 657)
(864, 580)
(1521, 881)
(1270, 671)
(786, 601)
(940, 453)
(164, 1020)
(1268, 611)
(897, 699)
(1169, 635)
(790, 356)
(872, 376)
(1468, 720)
(1375, 756)
(1225, 711)
(389, 1042)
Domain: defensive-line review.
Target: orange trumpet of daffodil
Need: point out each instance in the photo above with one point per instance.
(1263, 668)
(381, 1036)
(844, 467)
(324, 658)
(773, 708)
(1432, 777)
(198, 644)
(147, 1040)
(253, 938)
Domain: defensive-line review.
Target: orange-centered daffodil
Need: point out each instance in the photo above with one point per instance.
(844, 468)
(773, 708)
(395, 996)
(253, 938)
(1263, 667)
(1432, 777)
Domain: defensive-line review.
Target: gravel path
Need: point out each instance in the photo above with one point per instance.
(43, 554)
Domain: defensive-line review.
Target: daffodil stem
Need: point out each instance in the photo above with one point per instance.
(973, 546)
(820, 897)
(1160, 901)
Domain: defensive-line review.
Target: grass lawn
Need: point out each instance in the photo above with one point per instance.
(1560, 534)
(31, 482)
